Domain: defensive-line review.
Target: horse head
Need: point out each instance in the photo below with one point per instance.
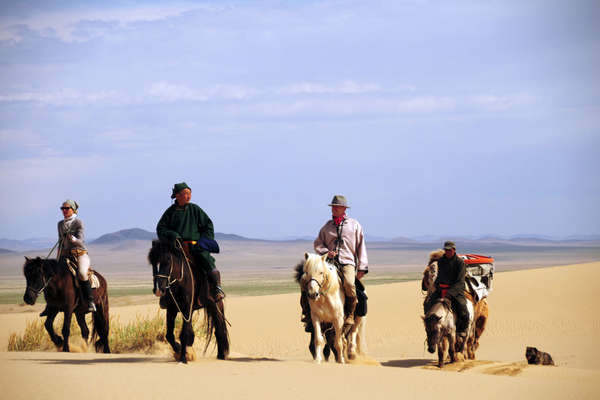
(436, 321)
(167, 265)
(317, 275)
(37, 277)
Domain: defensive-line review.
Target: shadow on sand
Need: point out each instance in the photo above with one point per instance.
(111, 360)
(251, 359)
(408, 363)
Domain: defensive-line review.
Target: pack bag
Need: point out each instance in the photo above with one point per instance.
(208, 244)
(480, 273)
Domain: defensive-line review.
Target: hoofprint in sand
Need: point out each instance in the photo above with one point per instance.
(547, 308)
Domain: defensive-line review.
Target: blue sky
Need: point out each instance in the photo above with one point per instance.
(432, 117)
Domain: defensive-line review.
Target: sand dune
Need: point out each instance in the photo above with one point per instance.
(551, 308)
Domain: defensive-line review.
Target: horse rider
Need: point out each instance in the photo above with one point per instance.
(187, 222)
(342, 239)
(71, 245)
(450, 283)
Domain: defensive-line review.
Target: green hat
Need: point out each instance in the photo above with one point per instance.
(339, 200)
(178, 187)
(72, 203)
(449, 245)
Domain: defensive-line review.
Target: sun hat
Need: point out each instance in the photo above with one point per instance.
(339, 200)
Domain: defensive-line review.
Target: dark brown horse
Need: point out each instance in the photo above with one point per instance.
(184, 288)
(61, 294)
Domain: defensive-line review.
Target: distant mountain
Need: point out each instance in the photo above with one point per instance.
(6, 251)
(27, 244)
(141, 234)
(231, 236)
(123, 235)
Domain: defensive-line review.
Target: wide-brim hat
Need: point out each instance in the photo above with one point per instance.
(339, 200)
(178, 187)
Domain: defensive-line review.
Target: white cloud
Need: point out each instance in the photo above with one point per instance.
(60, 97)
(500, 103)
(346, 87)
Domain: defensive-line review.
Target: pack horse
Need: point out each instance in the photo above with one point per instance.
(440, 320)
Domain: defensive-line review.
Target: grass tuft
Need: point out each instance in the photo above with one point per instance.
(143, 335)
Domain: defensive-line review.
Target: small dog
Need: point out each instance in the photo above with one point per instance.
(534, 356)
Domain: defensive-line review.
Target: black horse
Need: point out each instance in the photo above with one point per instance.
(184, 288)
(62, 294)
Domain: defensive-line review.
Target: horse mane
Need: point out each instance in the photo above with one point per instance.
(52, 263)
(159, 247)
(299, 271)
(154, 253)
(435, 255)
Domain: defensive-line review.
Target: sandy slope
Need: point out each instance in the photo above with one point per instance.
(551, 308)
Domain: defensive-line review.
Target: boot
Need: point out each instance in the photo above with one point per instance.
(349, 307)
(305, 312)
(86, 286)
(214, 277)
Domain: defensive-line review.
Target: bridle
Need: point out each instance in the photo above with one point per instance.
(171, 281)
(44, 285)
(321, 284)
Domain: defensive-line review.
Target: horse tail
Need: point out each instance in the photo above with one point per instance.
(216, 323)
(101, 318)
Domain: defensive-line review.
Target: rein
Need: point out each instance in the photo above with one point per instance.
(171, 281)
(46, 282)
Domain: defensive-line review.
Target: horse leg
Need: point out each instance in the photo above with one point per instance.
(171, 314)
(352, 338)
(218, 317)
(49, 325)
(101, 321)
(442, 345)
(66, 330)
(338, 344)
(319, 341)
(85, 332)
(451, 349)
(361, 340)
(183, 339)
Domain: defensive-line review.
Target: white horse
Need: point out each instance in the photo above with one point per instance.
(326, 298)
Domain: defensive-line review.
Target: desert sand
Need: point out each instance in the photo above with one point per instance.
(553, 309)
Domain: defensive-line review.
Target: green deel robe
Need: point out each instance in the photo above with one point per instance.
(189, 222)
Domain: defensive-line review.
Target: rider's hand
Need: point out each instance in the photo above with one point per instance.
(360, 274)
(331, 254)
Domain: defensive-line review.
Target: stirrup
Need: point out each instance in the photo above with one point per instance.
(91, 307)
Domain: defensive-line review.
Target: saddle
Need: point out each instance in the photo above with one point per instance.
(72, 266)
